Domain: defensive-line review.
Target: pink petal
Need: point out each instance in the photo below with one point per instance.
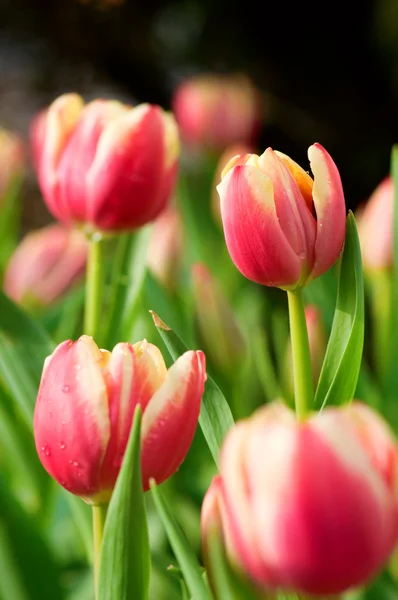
(170, 419)
(71, 421)
(134, 171)
(254, 237)
(330, 209)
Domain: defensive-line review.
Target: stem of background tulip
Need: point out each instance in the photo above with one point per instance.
(302, 372)
(94, 281)
(99, 516)
(381, 292)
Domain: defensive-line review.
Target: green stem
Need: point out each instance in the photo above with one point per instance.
(302, 372)
(99, 516)
(94, 282)
(380, 287)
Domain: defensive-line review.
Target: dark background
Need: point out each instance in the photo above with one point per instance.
(328, 71)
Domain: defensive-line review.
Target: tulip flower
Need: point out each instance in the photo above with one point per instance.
(105, 166)
(309, 507)
(282, 228)
(229, 153)
(47, 262)
(222, 337)
(85, 407)
(375, 227)
(216, 111)
(12, 159)
(165, 246)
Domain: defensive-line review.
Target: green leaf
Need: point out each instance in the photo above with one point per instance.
(338, 379)
(28, 569)
(125, 558)
(184, 554)
(215, 417)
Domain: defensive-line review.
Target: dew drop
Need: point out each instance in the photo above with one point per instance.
(66, 389)
(301, 255)
(46, 450)
(62, 445)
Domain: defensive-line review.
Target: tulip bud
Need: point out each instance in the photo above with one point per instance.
(375, 227)
(219, 330)
(165, 246)
(47, 262)
(216, 111)
(105, 166)
(85, 407)
(282, 228)
(308, 507)
(227, 155)
(12, 159)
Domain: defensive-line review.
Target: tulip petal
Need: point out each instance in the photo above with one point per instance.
(296, 220)
(253, 234)
(71, 421)
(131, 177)
(170, 419)
(79, 153)
(133, 375)
(330, 209)
(60, 121)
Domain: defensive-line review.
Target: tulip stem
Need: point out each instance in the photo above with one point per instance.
(94, 281)
(302, 371)
(99, 516)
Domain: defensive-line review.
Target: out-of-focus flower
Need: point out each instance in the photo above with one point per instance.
(165, 246)
(375, 227)
(309, 507)
(214, 111)
(12, 158)
(219, 330)
(282, 228)
(47, 262)
(226, 156)
(85, 407)
(104, 165)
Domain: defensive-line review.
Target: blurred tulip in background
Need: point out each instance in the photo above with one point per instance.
(12, 159)
(165, 247)
(105, 165)
(45, 265)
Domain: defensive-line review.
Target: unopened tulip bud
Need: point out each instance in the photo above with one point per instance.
(218, 327)
(85, 407)
(165, 246)
(216, 111)
(105, 166)
(282, 228)
(12, 159)
(308, 507)
(45, 265)
(375, 227)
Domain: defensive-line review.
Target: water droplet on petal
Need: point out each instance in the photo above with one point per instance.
(62, 445)
(46, 450)
(66, 389)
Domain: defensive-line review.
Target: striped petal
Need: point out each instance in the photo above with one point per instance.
(170, 419)
(71, 420)
(256, 242)
(330, 209)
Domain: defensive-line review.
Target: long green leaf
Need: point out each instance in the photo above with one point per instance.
(215, 417)
(184, 554)
(125, 558)
(340, 370)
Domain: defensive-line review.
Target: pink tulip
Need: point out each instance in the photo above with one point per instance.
(282, 228)
(106, 166)
(375, 227)
(85, 408)
(216, 111)
(308, 507)
(47, 262)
